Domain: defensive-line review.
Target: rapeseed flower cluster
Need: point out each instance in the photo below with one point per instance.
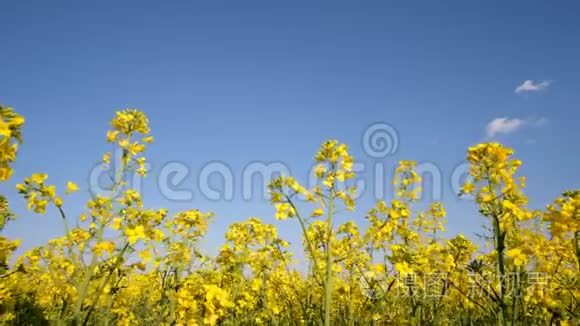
(125, 264)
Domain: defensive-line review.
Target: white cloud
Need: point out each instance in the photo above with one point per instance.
(540, 122)
(530, 141)
(531, 86)
(503, 126)
(506, 125)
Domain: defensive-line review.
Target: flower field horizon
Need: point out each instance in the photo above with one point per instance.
(121, 262)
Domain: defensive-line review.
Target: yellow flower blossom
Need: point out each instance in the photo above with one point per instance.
(317, 212)
(135, 234)
(71, 187)
(104, 246)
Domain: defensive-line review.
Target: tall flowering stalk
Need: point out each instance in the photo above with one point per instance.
(501, 199)
(333, 170)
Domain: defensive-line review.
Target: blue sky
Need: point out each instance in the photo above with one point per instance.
(249, 81)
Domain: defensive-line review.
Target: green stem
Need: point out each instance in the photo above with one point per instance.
(500, 246)
(577, 247)
(328, 285)
(84, 285)
(104, 283)
(308, 242)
